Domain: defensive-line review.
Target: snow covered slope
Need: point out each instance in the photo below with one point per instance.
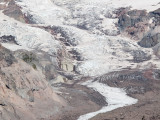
(149, 5)
(57, 11)
(43, 11)
(91, 25)
(91, 29)
(27, 37)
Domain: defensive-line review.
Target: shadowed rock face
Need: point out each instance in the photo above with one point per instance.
(8, 39)
(139, 56)
(156, 15)
(6, 56)
(14, 11)
(131, 18)
(133, 22)
(152, 37)
(150, 40)
(39, 61)
(140, 25)
(157, 50)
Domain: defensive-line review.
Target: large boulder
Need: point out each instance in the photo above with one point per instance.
(150, 40)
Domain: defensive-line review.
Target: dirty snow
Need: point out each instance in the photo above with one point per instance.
(103, 53)
(43, 11)
(115, 97)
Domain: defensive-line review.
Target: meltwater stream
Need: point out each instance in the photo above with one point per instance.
(115, 97)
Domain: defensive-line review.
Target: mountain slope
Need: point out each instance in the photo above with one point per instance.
(67, 42)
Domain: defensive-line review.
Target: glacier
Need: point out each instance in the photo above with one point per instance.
(91, 26)
(115, 98)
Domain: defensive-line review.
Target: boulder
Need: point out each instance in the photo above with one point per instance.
(150, 40)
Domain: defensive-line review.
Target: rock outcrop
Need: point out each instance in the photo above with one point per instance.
(149, 40)
(133, 22)
(23, 89)
(152, 37)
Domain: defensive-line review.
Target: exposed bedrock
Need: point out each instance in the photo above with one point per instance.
(156, 15)
(150, 40)
(133, 22)
(141, 26)
(8, 39)
(23, 88)
(11, 9)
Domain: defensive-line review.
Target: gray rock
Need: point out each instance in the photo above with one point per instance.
(131, 18)
(156, 15)
(150, 40)
(8, 39)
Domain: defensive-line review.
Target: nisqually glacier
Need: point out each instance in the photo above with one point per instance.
(79, 60)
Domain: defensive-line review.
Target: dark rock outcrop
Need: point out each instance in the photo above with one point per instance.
(156, 15)
(8, 39)
(6, 56)
(150, 40)
(14, 11)
(131, 18)
(152, 37)
(139, 56)
(140, 25)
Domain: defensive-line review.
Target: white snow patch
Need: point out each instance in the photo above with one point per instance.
(115, 97)
(2, 3)
(14, 47)
(43, 11)
(150, 5)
